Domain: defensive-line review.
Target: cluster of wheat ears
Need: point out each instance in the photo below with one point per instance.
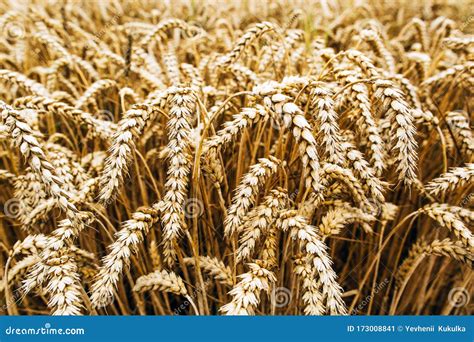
(267, 158)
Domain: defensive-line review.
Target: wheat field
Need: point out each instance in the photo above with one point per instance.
(236, 158)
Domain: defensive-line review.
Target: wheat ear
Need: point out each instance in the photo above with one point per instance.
(376, 42)
(246, 293)
(244, 41)
(302, 132)
(128, 238)
(92, 91)
(459, 122)
(246, 118)
(246, 193)
(455, 178)
(57, 267)
(403, 130)
(363, 170)
(215, 267)
(259, 221)
(442, 214)
(365, 124)
(446, 247)
(322, 109)
(179, 130)
(23, 137)
(346, 177)
(120, 153)
(100, 128)
(163, 281)
(21, 80)
(312, 296)
(335, 219)
(311, 244)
